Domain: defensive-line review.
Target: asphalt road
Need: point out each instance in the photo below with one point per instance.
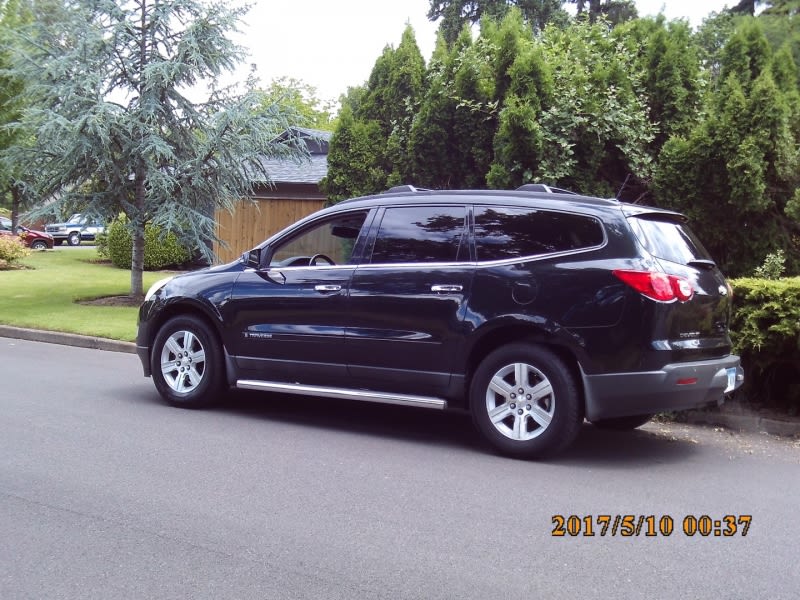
(105, 492)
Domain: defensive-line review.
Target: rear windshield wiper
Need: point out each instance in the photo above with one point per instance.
(702, 263)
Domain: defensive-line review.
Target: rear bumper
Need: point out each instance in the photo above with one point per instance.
(678, 386)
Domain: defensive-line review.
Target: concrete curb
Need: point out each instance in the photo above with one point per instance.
(67, 339)
(749, 423)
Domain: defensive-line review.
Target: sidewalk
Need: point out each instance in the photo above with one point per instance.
(735, 421)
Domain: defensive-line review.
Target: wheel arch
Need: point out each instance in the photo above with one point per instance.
(185, 308)
(508, 333)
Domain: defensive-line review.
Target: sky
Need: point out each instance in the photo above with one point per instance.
(333, 44)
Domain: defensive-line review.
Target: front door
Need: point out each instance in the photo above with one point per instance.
(287, 320)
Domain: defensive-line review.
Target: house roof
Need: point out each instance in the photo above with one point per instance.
(310, 169)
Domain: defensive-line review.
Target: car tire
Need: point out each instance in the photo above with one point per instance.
(186, 363)
(622, 423)
(551, 412)
(74, 239)
(39, 245)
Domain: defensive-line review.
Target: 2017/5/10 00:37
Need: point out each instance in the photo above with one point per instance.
(649, 525)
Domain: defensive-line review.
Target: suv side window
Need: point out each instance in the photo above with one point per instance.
(421, 234)
(334, 238)
(510, 232)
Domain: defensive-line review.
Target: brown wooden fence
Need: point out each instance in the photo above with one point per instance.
(253, 222)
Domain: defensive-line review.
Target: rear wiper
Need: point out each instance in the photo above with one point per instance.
(702, 263)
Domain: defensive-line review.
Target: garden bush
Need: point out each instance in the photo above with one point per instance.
(766, 334)
(12, 249)
(160, 250)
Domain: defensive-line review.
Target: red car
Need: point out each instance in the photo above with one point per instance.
(35, 240)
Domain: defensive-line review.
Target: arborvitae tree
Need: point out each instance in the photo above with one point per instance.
(384, 108)
(433, 147)
(667, 56)
(593, 133)
(452, 133)
(355, 157)
(746, 54)
(737, 173)
(109, 113)
(519, 141)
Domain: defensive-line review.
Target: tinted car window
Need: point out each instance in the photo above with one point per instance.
(670, 240)
(335, 238)
(506, 232)
(421, 234)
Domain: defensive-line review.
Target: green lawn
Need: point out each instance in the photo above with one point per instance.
(44, 295)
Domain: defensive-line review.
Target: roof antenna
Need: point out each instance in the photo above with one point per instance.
(622, 187)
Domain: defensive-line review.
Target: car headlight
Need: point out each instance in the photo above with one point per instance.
(155, 287)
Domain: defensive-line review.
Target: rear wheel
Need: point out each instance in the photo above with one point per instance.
(525, 401)
(186, 363)
(622, 423)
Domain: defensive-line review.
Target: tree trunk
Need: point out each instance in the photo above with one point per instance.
(138, 221)
(16, 202)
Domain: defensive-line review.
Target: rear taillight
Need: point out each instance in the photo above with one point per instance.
(656, 285)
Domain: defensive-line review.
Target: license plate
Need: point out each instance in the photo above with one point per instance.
(731, 380)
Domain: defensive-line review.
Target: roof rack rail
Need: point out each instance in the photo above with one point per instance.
(541, 187)
(404, 188)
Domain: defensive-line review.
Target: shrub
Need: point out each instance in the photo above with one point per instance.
(773, 267)
(101, 245)
(12, 249)
(160, 250)
(766, 334)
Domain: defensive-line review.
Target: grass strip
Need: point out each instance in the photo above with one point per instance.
(45, 295)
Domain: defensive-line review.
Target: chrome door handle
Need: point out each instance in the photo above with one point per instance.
(446, 288)
(327, 288)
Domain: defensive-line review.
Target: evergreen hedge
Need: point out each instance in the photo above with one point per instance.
(766, 334)
(160, 250)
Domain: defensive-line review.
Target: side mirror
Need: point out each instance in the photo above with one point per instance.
(253, 258)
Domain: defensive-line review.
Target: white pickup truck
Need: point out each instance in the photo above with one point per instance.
(75, 230)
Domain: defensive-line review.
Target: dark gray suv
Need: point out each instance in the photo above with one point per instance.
(533, 309)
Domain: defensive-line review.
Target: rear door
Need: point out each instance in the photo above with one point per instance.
(408, 298)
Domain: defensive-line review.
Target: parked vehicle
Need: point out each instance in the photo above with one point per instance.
(76, 229)
(36, 240)
(532, 309)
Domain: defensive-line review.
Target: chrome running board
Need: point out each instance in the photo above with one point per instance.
(342, 393)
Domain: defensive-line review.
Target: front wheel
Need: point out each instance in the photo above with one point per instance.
(39, 245)
(74, 239)
(525, 401)
(186, 363)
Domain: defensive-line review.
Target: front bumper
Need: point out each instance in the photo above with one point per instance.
(679, 386)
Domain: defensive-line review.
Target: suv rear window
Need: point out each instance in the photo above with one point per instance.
(669, 240)
(509, 232)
